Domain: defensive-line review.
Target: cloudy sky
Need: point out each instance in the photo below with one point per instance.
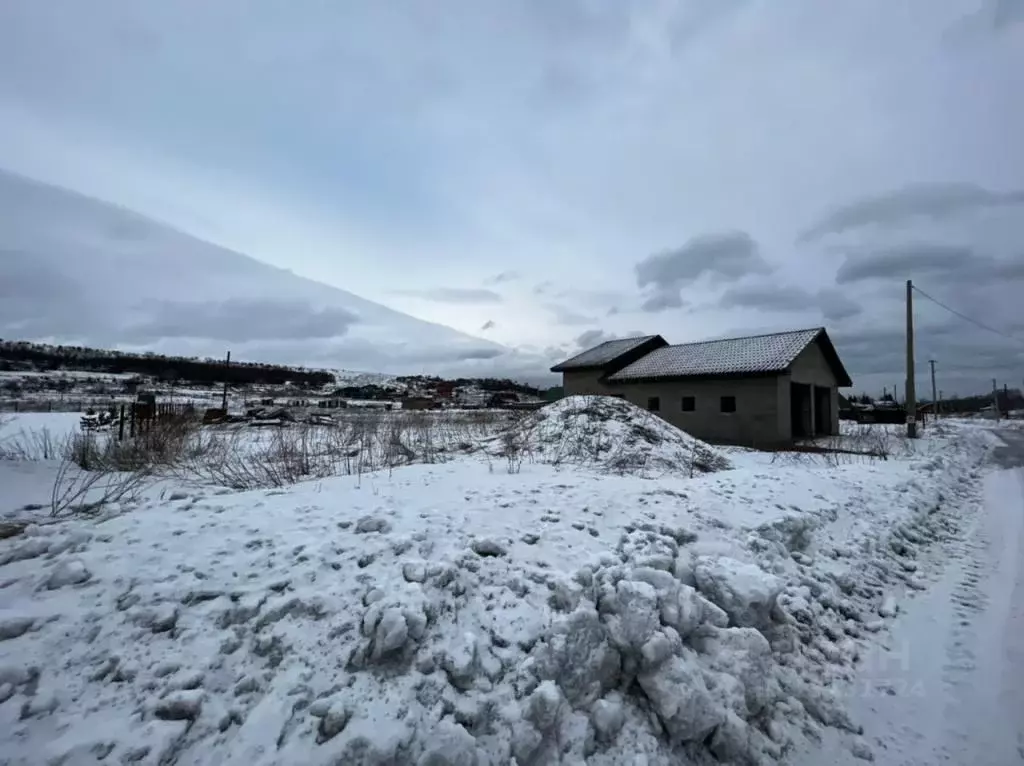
(546, 174)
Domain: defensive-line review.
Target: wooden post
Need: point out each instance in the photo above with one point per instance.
(911, 397)
(935, 398)
(120, 426)
(131, 431)
(224, 396)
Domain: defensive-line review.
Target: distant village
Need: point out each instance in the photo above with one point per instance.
(38, 377)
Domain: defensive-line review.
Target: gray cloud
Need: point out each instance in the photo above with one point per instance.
(834, 304)
(488, 325)
(591, 338)
(503, 277)
(556, 353)
(454, 294)
(662, 300)
(479, 353)
(239, 320)
(923, 200)
(937, 263)
(768, 297)
(967, 357)
(1007, 13)
(567, 316)
(724, 256)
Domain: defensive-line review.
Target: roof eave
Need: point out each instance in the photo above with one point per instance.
(574, 368)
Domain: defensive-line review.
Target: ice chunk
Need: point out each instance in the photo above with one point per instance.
(373, 524)
(72, 572)
(579, 658)
(488, 547)
(608, 717)
(392, 632)
(744, 591)
(684, 610)
(461, 662)
(449, 744)
(634, 616)
(681, 699)
(180, 705)
(13, 626)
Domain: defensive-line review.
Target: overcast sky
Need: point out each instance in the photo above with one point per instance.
(546, 174)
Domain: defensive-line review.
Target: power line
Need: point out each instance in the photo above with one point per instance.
(966, 318)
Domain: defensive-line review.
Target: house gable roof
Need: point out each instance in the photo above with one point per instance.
(772, 353)
(607, 353)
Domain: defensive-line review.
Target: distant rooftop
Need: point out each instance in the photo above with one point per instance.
(753, 354)
(603, 354)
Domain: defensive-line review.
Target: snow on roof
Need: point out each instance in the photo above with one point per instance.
(753, 354)
(602, 354)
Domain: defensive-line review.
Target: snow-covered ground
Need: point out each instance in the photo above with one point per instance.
(946, 684)
(549, 610)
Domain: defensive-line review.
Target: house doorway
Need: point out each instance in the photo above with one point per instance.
(800, 403)
(822, 411)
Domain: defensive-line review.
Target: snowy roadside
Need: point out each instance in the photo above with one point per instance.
(459, 613)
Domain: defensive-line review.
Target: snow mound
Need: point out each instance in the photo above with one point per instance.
(398, 647)
(610, 434)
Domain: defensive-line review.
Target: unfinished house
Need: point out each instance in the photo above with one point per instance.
(760, 391)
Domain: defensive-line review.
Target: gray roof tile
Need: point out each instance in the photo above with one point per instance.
(754, 354)
(604, 353)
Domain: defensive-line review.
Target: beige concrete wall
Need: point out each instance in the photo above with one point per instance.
(812, 367)
(757, 419)
(583, 382)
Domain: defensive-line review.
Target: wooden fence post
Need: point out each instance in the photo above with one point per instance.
(120, 426)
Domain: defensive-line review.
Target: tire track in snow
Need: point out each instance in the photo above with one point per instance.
(984, 648)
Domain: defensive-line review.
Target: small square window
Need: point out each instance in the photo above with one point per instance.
(728, 404)
(689, 403)
(654, 403)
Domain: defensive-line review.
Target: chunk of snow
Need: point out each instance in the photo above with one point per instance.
(180, 705)
(488, 547)
(744, 591)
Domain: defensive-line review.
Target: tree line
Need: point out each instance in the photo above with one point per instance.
(41, 357)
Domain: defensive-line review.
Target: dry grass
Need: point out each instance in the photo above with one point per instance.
(353, 444)
(864, 442)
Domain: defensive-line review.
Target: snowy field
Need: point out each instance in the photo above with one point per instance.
(588, 587)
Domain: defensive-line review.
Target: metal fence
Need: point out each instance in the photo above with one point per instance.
(62, 405)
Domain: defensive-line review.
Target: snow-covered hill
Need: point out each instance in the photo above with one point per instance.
(74, 269)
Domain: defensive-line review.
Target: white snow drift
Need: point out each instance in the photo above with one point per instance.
(452, 614)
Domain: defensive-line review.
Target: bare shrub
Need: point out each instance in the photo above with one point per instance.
(78, 491)
(34, 446)
(353, 443)
(513, 449)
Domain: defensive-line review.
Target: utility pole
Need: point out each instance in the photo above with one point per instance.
(935, 399)
(224, 396)
(911, 397)
(995, 399)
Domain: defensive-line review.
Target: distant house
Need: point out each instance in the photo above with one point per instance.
(759, 390)
(420, 403)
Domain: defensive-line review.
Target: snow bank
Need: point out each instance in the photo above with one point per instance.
(612, 435)
(209, 633)
(450, 615)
